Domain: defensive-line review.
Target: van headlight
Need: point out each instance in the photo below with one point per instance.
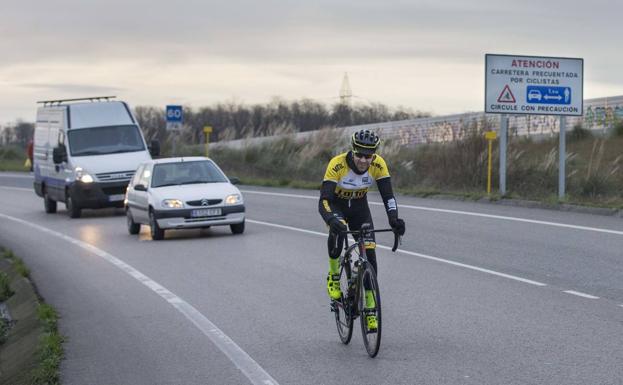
(172, 203)
(83, 176)
(233, 199)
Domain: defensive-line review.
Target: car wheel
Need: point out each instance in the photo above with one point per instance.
(48, 204)
(238, 228)
(133, 227)
(72, 209)
(156, 232)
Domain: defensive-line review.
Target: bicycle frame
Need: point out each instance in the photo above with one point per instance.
(361, 263)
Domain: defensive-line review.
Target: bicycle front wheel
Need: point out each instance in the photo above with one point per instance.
(371, 308)
(344, 308)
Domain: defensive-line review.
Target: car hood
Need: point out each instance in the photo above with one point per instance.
(189, 192)
(110, 163)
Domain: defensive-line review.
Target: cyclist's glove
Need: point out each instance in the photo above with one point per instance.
(336, 225)
(398, 225)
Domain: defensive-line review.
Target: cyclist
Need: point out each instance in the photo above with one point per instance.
(343, 202)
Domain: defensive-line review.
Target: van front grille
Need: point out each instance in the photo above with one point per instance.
(115, 176)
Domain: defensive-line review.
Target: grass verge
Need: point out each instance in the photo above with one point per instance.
(29, 341)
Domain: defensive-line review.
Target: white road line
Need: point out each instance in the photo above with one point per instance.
(251, 369)
(17, 188)
(469, 213)
(580, 294)
(11, 175)
(482, 270)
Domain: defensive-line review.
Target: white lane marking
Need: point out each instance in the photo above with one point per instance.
(580, 294)
(10, 175)
(476, 268)
(469, 213)
(17, 188)
(251, 369)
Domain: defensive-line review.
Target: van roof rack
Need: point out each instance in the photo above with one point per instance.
(59, 101)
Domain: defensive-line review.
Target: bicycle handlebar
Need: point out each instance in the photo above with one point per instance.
(364, 230)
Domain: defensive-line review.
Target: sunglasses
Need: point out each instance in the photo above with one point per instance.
(364, 156)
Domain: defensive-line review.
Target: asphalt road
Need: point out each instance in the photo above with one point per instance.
(478, 294)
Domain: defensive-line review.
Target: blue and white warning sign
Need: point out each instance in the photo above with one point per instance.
(533, 85)
(548, 95)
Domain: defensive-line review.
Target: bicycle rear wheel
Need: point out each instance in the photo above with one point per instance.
(371, 338)
(344, 308)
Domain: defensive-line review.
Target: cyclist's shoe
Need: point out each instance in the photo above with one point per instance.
(333, 286)
(372, 322)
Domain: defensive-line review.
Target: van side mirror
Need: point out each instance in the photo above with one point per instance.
(154, 148)
(140, 187)
(234, 180)
(59, 154)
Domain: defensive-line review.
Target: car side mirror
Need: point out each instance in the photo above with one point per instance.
(59, 154)
(154, 148)
(140, 187)
(234, 180)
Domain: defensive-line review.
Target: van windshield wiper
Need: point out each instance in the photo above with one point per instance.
(167, 184)
(92, 152)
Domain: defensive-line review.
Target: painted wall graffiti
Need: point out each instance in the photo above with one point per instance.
(599, 115)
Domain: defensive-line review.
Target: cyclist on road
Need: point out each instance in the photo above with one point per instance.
(343, 202)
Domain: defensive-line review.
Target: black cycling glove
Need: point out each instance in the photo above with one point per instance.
(336, 225)
(397, 224)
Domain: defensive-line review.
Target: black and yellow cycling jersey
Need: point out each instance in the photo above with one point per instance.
(344, 185)
(351, 184)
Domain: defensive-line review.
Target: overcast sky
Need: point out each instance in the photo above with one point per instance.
(420, 54)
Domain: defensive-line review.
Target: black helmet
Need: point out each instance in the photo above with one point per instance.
(365, 142)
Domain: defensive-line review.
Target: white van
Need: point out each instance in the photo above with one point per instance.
(86, 152)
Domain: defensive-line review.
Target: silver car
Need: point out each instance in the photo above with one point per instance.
(179, 193)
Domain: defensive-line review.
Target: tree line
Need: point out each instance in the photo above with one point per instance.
(232, 120)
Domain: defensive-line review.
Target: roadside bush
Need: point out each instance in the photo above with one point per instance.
(5, 289)
(617, 130)
(579, 133)
(12, 153)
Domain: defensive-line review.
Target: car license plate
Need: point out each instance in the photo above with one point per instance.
(205, 213)
(116, 197)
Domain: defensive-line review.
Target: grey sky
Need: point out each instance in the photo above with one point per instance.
(426, 55)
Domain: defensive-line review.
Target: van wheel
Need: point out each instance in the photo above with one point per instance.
(156, 232)
(133, 227)
(48, 204)
(72, 210)
(238, 228)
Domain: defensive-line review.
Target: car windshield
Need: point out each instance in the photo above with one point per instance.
(193, 172)
(105, 140)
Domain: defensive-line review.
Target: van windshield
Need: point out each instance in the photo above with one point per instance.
(193, 172)
(105, 140)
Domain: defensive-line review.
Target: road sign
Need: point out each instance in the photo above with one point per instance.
(506, 96)
(549, 95)
(174, 117)
(491, 135)
(534, 85)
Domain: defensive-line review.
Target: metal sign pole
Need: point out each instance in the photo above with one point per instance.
(562, 156)
(503, 134)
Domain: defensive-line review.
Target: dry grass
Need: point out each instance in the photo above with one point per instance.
(594, 172)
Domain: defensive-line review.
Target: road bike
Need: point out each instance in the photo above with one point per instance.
(354, 271)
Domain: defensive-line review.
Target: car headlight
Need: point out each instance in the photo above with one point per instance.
(233, 199)
(83, 176)
(172, 203)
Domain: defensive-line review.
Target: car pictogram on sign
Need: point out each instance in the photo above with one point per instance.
(534, 95)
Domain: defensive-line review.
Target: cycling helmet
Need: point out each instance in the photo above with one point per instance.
(365, 142)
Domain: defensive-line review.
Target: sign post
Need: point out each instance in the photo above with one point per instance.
(490, 136)
(174, 118)
(535, 86)
(207, 130)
